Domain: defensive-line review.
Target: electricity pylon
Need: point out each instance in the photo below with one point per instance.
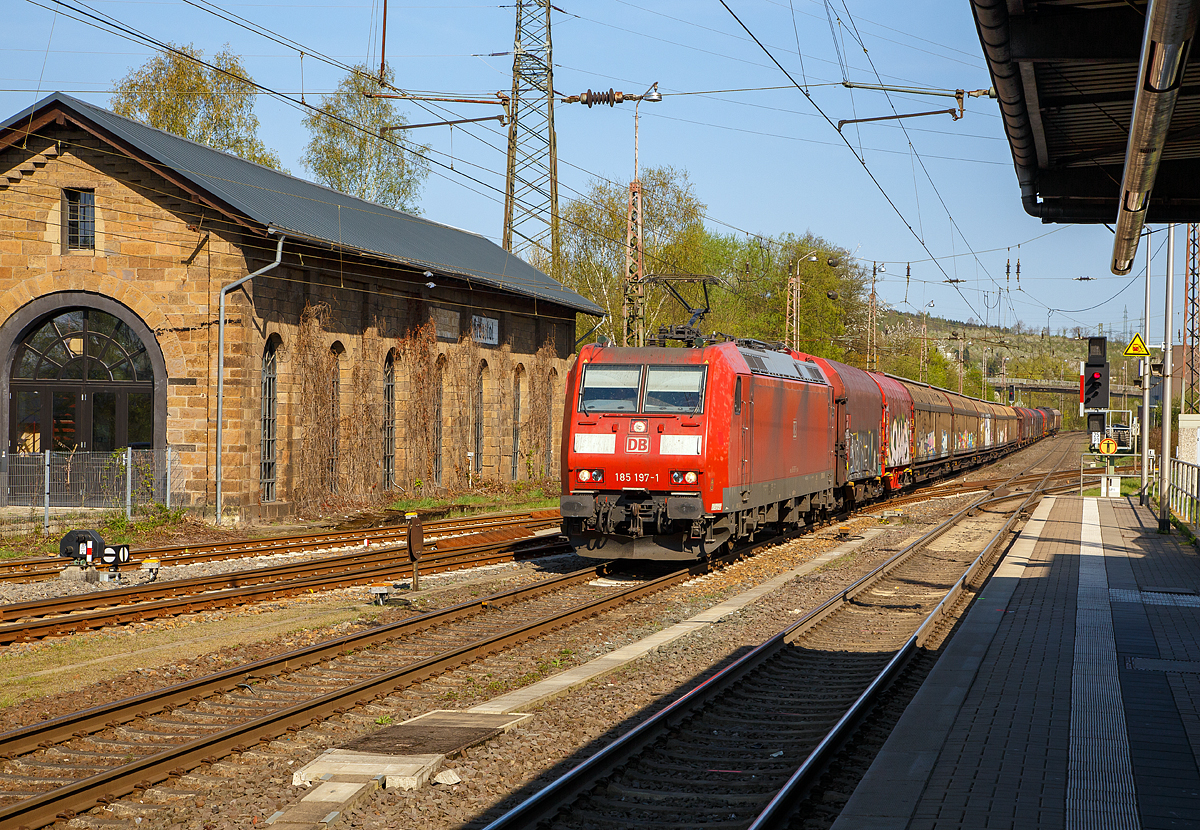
(531, 186)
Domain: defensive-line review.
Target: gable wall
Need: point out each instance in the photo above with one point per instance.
(164, 255)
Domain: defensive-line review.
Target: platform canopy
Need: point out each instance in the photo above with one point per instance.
(1066, 72)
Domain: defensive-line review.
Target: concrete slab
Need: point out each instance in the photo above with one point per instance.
(407, 771)
(441, 732)
(407, 753)
(552, 687)
(325, 804)
(335, 791)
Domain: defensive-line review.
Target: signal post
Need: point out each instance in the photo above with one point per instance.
(1094, 389)
(1137, 348)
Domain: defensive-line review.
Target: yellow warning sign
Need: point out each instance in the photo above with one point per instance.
(1136, 347)
(1108, 446)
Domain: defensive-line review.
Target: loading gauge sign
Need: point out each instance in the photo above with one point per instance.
(1136, 347)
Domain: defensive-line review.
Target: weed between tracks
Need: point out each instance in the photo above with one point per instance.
(486, 687)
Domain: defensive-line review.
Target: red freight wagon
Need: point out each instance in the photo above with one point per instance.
(933, 422)
(858, 421)
(675, 453)
(897, 431)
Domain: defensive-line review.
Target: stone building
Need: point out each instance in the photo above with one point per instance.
(369, 350)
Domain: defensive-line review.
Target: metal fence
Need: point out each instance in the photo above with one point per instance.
(47, 488)
(1184, 491)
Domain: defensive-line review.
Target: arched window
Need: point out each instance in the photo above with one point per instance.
(81, 379)
(480, 413)
(438, 394)
(335, 413)
(269, 398)
(389, 422)
(516, 424)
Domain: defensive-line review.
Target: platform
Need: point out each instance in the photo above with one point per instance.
(1068, 698)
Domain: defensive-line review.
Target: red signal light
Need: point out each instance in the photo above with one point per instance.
(1095, 376)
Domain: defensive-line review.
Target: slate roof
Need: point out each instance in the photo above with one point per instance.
(309, 210)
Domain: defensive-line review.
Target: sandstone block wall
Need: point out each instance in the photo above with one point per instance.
(164, 253)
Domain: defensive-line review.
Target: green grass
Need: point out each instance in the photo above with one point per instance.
(122, 531)
(114, 529)
(1129, 487)
(470, 503)
(27, 546)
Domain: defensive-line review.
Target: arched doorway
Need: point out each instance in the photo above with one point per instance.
(81, 378)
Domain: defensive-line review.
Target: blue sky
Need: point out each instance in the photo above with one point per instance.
(763, 160)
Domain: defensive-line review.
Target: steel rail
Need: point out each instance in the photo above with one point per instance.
(67, 801)
(545, 803)
(783, 803)
(341, 563)
(76, 724)
(19, 569)
(484, 553)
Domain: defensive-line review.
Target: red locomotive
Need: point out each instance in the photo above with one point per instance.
(673, 453)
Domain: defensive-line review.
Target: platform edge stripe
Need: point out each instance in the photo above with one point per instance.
(1100, 786)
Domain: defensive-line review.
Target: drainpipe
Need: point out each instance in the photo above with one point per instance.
(1170, 25)
(221, 356)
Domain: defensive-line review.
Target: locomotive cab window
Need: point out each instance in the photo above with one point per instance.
(737, 397)
(674, 389)
(610, 388)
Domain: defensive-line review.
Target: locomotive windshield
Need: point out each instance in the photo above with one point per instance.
(610, 388)
(674, 389)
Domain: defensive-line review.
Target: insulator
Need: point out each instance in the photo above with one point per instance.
(601, 97)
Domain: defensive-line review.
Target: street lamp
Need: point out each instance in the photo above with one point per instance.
(654, 96)
(791, 332)
(877, 268)
(633, 302)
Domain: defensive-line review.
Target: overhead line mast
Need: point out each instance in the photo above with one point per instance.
(531, 181)
(1191, 323)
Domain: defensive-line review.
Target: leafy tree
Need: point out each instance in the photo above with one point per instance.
(750, 299)
(592, 243)
(346, 151)
(181, 95)
(831, 297)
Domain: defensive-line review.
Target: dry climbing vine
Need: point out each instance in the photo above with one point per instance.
(313, 368)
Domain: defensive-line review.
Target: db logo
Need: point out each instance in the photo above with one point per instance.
(637, 443)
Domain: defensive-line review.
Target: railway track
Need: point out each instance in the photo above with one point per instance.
(457, 543)
(38, 568)
(55, 769)
(27, 621)
(33, 569)
(60, 767)
(742, 748)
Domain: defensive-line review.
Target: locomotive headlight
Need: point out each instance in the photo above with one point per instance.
(638, 426)
(584, 475)
(690, 478)
(676, 477)
(597, 476)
